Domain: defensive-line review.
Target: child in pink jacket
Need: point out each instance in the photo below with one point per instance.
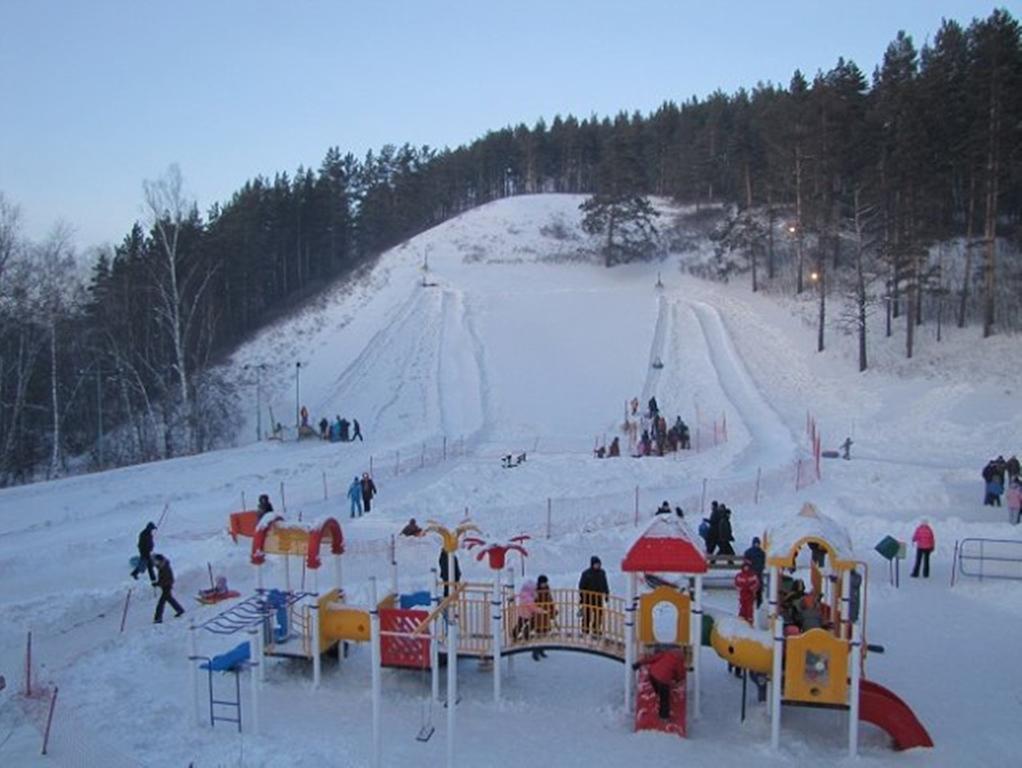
(925, 544)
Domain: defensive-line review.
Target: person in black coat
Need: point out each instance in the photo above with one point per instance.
(357, 430)
(368, 491)
(145, 552)
(594, 589)
(445, 570)
(713, 534)
(724, 534)
(165, 581)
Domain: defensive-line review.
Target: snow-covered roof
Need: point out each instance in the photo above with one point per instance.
(810, 525)
(666, 546)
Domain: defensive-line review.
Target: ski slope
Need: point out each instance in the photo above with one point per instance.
(518, 345)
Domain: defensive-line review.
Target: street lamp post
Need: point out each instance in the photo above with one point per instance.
(258, 368)
(99, 417)
(298, 394)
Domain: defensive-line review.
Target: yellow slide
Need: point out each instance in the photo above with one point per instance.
(742, 645)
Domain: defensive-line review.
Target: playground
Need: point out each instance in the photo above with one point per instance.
(338, 647)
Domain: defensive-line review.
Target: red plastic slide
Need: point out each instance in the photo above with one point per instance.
(647, 707)
(884, 709)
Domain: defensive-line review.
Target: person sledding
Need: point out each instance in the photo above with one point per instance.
(219, 591)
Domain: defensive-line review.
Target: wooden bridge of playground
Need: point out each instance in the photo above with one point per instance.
(572, 620)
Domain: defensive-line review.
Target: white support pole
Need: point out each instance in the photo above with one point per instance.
(452, 680)
(630, 640)
(317, 662)
(257, 650)
(193, 652)
(695, 635)
(434, 642)
(495, 628)
(855, 661)
(511, 584)
(254, 677)
(374, 652)
(776, 683)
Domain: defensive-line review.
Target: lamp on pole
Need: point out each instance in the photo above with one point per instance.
(298, 393)
(258, 368)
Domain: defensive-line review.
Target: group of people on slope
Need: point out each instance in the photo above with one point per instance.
(161, 575)
(1001, 478)
(656, 437)
(360, 494)
(340, 430)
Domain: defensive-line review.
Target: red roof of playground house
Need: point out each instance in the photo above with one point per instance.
(666, 546)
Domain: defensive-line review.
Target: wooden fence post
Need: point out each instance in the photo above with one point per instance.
(124, 615)
(49, 719)
(759, 474)
(702, 500)
(636, 506)
(548, 516)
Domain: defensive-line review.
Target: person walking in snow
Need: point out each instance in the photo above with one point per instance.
(355, 495)
(925, 543)
(358, 431)
(713, 526)
(666, 669)
(368, 491)
(145, 552)
(1013, 498)
(165, 581)
(593, 589)
(724, 534)
(324, 428)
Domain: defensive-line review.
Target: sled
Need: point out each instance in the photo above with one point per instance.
(213, 598)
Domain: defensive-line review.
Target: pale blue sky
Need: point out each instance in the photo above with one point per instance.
(99, 95)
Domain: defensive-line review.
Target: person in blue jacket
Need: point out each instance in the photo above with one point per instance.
(355, 494)
(757, 559)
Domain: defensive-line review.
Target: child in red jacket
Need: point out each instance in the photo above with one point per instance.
(666, 668)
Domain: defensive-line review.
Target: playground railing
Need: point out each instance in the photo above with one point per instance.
(988, 559)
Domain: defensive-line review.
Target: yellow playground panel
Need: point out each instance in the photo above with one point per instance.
(338, 621)
(649, 601)
(287, 540)
(816, 668)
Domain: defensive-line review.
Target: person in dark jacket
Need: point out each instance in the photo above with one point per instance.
(757, 560)
(664, 509)
(165, 581)
(368, 491)
(594, 589)
(264, 506)
(145, 552)
(667, 668)
(445, 570)
(357, 431)
(324, 428)
(724, 534)
(712, 535)
(344, 430)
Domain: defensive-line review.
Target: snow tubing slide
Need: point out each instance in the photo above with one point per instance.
(884, 709)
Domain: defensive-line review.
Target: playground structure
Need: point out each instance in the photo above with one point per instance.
(822, 667)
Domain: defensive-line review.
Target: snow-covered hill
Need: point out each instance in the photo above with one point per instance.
(521, 344)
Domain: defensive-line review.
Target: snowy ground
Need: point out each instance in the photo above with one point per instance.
(518, 347)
